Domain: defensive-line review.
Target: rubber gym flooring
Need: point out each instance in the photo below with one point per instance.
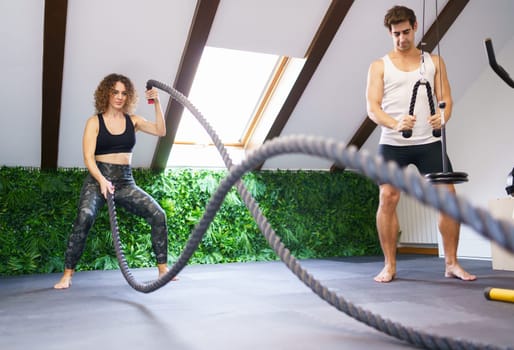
(254, 306)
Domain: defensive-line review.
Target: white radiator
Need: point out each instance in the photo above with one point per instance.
(418, 222)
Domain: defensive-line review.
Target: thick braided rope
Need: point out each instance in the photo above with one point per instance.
(343, 155)
(409, 181)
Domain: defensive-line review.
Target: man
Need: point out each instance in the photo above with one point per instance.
(389, 88)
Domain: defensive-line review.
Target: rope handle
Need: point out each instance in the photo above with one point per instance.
(435, 132)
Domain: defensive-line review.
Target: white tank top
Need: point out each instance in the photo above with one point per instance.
(398, 86)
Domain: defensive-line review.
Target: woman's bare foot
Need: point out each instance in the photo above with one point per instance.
(163, 269)
(65, 281)
(456, 271)
(386, 275)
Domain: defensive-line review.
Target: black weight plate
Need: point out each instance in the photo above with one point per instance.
(456, 175)
(447, 180)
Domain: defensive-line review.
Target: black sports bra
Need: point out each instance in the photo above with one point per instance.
(107, 143)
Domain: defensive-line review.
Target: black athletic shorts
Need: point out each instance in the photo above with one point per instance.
(427, 158)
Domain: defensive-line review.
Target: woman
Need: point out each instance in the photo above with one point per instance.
(109, 137)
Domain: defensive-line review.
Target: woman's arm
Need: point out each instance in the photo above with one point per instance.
(88, 151)
(157, 128)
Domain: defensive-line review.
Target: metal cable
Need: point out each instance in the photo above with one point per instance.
(408, 180)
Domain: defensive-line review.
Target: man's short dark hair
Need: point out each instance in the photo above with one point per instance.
(398, 14)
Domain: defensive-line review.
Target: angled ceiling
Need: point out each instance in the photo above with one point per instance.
(59, 50)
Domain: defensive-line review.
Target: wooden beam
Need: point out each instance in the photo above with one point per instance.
(198, 34)
(431, 38)
(319, 45)
(358, 138)
(444, 21)
(53, 62)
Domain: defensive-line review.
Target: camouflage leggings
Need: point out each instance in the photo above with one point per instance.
(127, 195)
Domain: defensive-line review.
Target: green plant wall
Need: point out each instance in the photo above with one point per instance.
(317, 214)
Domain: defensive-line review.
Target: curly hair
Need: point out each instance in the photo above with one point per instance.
(398, 14)
(104, 90)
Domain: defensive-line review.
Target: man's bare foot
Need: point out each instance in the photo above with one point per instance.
(386, 275)
(456, 271)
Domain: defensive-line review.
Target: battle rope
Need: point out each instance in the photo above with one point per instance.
(500, 231)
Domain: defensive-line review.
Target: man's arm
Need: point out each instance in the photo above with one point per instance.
(442, 86)
(374, 96)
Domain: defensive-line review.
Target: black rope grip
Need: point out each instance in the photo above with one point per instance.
(435, 132)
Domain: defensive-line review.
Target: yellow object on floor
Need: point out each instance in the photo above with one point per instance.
(499, 294)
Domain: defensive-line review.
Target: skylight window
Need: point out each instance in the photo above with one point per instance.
(239, 93)
(227, 88)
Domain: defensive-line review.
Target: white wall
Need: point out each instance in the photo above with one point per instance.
(21, 60)
(480, 143)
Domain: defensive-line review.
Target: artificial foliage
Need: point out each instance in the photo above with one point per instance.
(317, 214)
